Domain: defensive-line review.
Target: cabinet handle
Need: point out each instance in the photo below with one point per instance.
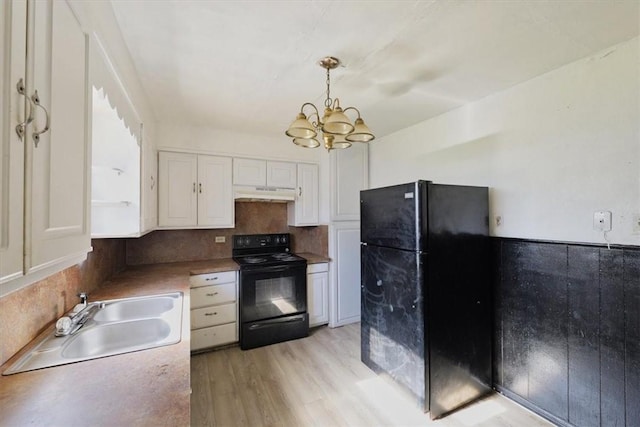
(153, 182)
(299, 191)
(36, 134)
(211, 278)
(212, 294)
(20, 128)
(194, 187)
(211, 314)
(200, 187)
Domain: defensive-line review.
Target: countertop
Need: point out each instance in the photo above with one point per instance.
(313, 258)
(149, 387)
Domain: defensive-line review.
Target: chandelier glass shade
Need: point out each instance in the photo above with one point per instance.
(334, 128)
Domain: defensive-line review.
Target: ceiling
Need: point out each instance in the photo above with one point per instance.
(249, 65)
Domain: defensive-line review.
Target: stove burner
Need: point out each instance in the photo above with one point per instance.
(281, 256)
(253, 260)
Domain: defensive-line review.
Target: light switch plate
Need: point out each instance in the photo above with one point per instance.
(602, 221)
(636, 223)
(221, 239)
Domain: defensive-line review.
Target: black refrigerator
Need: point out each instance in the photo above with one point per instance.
(425, 291)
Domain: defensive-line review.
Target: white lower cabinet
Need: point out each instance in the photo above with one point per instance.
(318, 293)
(214, 309)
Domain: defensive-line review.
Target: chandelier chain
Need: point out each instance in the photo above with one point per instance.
(327, 102)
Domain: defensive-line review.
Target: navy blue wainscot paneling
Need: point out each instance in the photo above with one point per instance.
(567, 330)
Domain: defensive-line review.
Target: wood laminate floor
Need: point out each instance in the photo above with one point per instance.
(319, 381)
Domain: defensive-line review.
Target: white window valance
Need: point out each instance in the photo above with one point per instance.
(104, 76)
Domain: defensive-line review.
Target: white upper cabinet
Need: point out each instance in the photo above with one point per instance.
(304, 211)
(215, 192)
(58, 158)
(249, 172)
(12, 113)
(195, 191)
(349, 175)
(149, 187)
(260, 173)
(54, 177)
(281, 174)
(177, 193)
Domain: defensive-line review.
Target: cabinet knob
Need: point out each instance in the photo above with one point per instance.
(211, 278)
(212, 294)
(211, 314)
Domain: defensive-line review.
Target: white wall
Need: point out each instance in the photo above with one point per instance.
(207, 140)
(553, 150)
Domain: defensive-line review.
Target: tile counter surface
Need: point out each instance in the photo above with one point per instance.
(149, 387)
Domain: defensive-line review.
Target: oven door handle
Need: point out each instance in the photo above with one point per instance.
(266, 324)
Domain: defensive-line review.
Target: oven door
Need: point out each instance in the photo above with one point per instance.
(271, 292)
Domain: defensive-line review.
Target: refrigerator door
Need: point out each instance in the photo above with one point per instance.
(392, 317)
(393, 216)
(459, 297)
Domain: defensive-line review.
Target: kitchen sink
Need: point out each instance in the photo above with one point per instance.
(119, 326)
(134, 308)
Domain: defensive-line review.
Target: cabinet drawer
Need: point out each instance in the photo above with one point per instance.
(213, 336)
(212, 278)
(317, 268)
(214, 315)
(211, 295)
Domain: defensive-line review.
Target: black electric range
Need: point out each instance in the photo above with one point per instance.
(273, 290)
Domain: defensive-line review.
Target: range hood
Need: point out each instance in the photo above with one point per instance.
(263, 194)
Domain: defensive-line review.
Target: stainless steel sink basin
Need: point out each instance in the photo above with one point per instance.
(134, 308)
(121, 326)
(112, 338)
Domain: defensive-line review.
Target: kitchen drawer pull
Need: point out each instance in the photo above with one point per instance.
(211, 278)
(211, 314)
(212, 294)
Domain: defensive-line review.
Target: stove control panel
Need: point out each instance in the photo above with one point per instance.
(254, 241)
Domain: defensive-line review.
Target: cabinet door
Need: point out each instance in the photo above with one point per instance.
(349, 175)
(215, 192)
(58, 168)
(149, 186)
(177, 196)
(344, 247)
(305, 211)
(12, 112)
(249, 172)
(318, 298)
(281, 174)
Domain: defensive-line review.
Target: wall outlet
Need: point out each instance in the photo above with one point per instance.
(602, 221)
(221, 239)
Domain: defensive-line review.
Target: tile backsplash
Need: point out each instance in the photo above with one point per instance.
(195, 245)
(28, 311)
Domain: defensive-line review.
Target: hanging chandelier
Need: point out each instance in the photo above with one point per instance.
(336, 128)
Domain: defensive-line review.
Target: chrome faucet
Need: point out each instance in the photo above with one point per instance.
(84, 298)
(69, 324)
